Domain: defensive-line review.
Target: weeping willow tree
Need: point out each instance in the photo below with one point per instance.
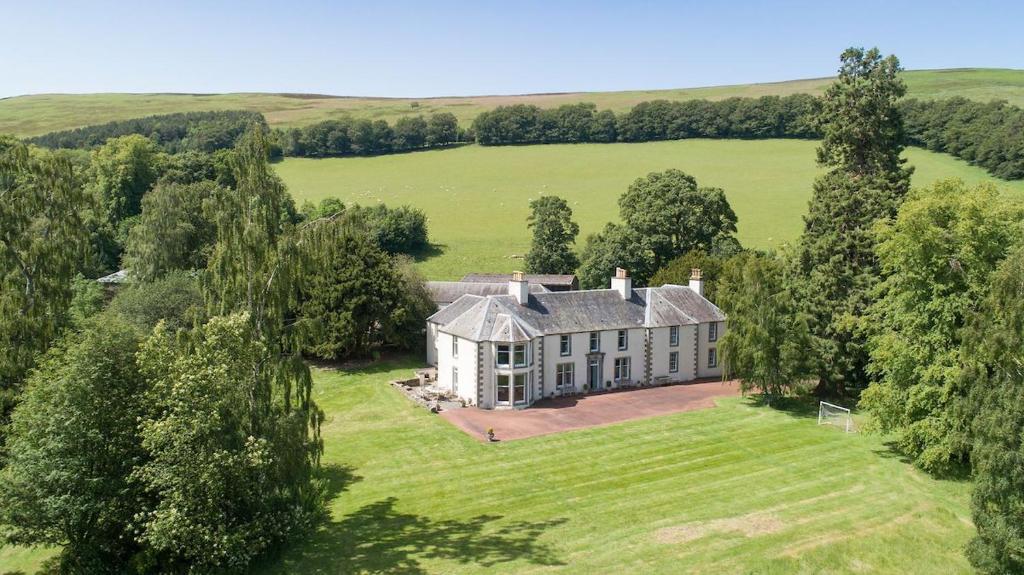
(253, 269)
(42, 242)
(235, 421)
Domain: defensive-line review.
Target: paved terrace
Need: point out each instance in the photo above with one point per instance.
(580, 412)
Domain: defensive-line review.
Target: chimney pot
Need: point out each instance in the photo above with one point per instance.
(519, 288)
(622, 283)
(697, 281)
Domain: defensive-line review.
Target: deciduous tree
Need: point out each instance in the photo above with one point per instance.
(554, 234)
(229, 465)
(767, 345)
(994, 345)
(937, 258)
(174, 231)
(671, 215)
(616, 246)
(42, 245)
(73, 442)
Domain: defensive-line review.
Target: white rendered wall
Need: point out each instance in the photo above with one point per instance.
(553, 357)
(431, 344)
(635, 351)
(703, 345)
(661, 348)
(466, 363)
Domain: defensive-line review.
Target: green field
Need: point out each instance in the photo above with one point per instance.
(39, 114)
(735, 489)
(476, 198)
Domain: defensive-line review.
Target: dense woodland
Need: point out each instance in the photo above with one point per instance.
(199, 131)
(990, 135)
(362, 137)
(124, 415)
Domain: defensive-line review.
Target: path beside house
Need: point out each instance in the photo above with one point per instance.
(566, 413)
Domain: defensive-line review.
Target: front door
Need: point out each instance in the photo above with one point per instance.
(594, 374)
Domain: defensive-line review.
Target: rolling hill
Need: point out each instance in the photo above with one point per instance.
(39, 114)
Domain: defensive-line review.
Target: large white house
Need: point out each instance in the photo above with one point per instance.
(510, 350)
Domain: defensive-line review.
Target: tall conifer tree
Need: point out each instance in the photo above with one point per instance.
(861, 146)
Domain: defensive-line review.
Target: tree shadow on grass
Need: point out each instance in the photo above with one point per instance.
(798, 407)
(337, 479)
(377, 538)
(431, 251)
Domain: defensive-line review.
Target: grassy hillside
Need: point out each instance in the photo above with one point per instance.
(734, 489)
(476, 198)
(34, 115)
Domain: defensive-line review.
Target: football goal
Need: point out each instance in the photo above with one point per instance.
(832, 414)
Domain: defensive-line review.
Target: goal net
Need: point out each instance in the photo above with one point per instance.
(832, 414)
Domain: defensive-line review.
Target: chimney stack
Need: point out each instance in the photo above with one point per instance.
(697, 281)
(622, 283)
(519, 288)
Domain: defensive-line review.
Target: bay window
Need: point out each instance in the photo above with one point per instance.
(502, 356)
(503, 389)
(519, 355)
(520, 387)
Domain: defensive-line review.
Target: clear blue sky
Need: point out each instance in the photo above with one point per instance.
(434, 47)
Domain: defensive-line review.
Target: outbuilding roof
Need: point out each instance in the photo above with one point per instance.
(444, 293)
(566, 280)
(502, 318)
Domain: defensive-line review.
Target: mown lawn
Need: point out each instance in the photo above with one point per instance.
(42, 113)
(738, 488)
(477, 198)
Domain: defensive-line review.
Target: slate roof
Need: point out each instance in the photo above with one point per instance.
(444, 293)
(501, 318)
(566, 280)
